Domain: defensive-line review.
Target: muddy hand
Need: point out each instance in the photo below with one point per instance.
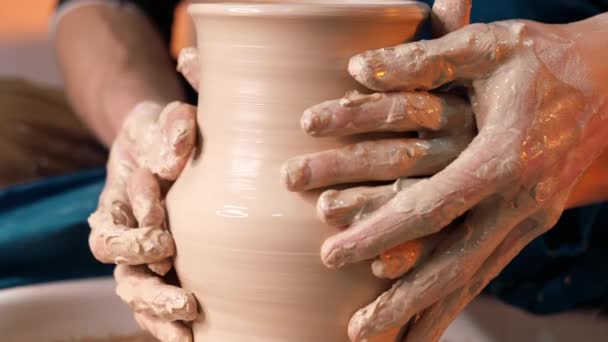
(444, 124)
(129, 227)
(538, 97)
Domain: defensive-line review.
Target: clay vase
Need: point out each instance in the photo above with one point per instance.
(247, 247)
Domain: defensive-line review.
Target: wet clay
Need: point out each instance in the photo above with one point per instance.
(246, 247)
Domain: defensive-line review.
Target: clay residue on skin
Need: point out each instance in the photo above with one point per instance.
(164, 330)
(144, 195)
(148, 295)
(401, 259)
(118, 244)
(370, 160)
(456, 260)
(295, 173)
(398, 260)
(386, 112)
(355, 98)
(343, 208)
(472, 52)
(449, 16)
(172, 133)
(188, 65)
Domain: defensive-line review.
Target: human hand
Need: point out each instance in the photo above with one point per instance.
(538, 98)
(129, 227)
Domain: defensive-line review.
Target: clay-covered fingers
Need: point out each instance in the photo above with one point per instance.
(144, 195)
(163, 330)
(341, 208)
(145, 198)
(386, 112)
(469, 53)
(378, 160)
(401, 259)
(459, 255)
(119, 244)
(113, 238)
(145, 293)
(188, 65)
(436, 319)
(163, 137)
(449, 15)
(483, 168)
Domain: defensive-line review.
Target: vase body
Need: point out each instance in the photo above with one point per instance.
(246, 247)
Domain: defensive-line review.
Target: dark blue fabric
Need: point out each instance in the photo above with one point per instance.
(43, 230)
(562, 269)
(546, 11)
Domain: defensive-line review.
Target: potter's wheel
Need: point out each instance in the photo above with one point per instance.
(63, 311)
(89, 308)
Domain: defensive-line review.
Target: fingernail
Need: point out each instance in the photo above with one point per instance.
(337, 210)
(121, 214)
(295, 174)
(368, 68)
(336, 256)
(179, 131)
(329, 202)
(164, 114)
(316, 119)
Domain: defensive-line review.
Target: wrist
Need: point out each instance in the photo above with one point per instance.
(590, 38)
(127, 64)
(119, 97)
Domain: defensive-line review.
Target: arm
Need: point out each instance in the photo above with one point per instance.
(120, 80)
(593, 186)
(112, 58)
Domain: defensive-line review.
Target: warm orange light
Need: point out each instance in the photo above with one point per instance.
(25, 18)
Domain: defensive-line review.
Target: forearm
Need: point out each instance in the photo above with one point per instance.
(593, 186)
(591, 37)
(111, 59)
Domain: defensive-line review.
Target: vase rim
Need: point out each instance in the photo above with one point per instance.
(315, 8)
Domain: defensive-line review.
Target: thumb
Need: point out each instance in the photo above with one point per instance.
(188, 65)
(449, 15)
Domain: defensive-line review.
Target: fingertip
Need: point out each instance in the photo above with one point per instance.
(307, 122)
(356, 326)
(162, 267)
(315, 120)
(327, 205)
(331, 255)
(295, 174)
(96, 243)
(185, 56)
(178, 127)
(370, 69)
(188, 65)
(360, 70)
(182, 136)
(191, 307)
(163, 330)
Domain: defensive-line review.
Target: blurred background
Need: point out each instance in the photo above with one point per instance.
(25, 49)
